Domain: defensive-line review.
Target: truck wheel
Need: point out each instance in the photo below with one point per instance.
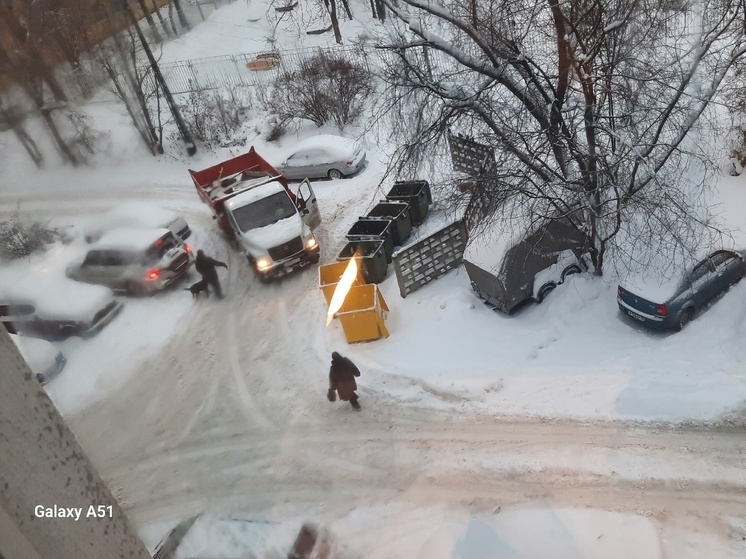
(545, 290)
(335, 174)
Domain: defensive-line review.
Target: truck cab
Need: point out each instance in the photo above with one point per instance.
(275, 234)
(258, 211)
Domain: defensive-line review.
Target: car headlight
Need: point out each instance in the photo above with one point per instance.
(311, 242)
(263, 263)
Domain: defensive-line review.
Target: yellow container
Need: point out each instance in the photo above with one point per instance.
(363, 314)
(329, 276)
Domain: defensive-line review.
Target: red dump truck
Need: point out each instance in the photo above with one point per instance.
(260, 214)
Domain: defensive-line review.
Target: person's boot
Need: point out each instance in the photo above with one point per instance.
(355, 405)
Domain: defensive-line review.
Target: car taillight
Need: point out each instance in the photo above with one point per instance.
(661, 310)
(350, 162)
(187, 248)
(153, 274)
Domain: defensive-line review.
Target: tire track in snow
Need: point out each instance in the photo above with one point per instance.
(231, 348)
(466, 463)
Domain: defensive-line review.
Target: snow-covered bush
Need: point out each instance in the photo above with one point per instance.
(325, 89)
(19, 239)
(215, 116)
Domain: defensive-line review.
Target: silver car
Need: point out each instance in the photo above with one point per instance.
(137, 261)
(136, 215)
(323, 156)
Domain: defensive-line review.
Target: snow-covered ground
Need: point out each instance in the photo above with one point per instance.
(595, 437)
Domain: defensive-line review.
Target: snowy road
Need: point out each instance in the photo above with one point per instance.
(230, 415)
(225, 418)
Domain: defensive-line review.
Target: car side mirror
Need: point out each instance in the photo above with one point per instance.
(304, 211)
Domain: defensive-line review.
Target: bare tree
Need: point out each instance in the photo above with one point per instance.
(11, 119)
(592, 106)
(161, 19)
(151, 23)
(183, 21)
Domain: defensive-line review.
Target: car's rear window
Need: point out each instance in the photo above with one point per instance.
(158, 249)
(110, 258)
(720, 258)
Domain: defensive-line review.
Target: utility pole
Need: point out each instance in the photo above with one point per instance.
(161, 82)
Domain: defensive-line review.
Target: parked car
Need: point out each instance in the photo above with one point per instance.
(323, 156)
(55, 310)
(139, 215)
(44, 360)
(674, 308)
(136, 261)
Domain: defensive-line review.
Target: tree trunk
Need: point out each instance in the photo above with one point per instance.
(15, 123)
(183, 21)
(147, 139)
(171, 17)
(54, 130)
(161, 20)
(381, 7)
(335, 21)
(199, 8)
(346, 5)
(149, 19)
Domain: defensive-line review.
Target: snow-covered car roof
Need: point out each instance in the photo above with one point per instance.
(40, 355)
(130, 214)
(254, 194)
(129, 239)
(334, 145)
(54, 297)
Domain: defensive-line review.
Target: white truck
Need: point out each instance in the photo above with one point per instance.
(260, 214)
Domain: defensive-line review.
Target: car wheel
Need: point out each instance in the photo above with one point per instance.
(545, 290)
(68, 330)
(684, 318)
(134, 288)
(570, 270)
(335, 174)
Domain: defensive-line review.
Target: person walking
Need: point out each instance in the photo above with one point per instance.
(342, 375)
(206, 267)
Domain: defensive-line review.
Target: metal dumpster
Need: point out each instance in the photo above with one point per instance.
(399, 214)
(416, 194)
(363, 314)
(376, 230)
(513, 285)
(371, 259)
(329, 276)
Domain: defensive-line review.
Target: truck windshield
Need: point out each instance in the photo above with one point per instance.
(264, 212)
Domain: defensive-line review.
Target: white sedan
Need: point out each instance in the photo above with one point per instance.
(323, 156)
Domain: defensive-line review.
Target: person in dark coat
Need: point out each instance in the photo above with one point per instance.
(342, 375)
(205, 267)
